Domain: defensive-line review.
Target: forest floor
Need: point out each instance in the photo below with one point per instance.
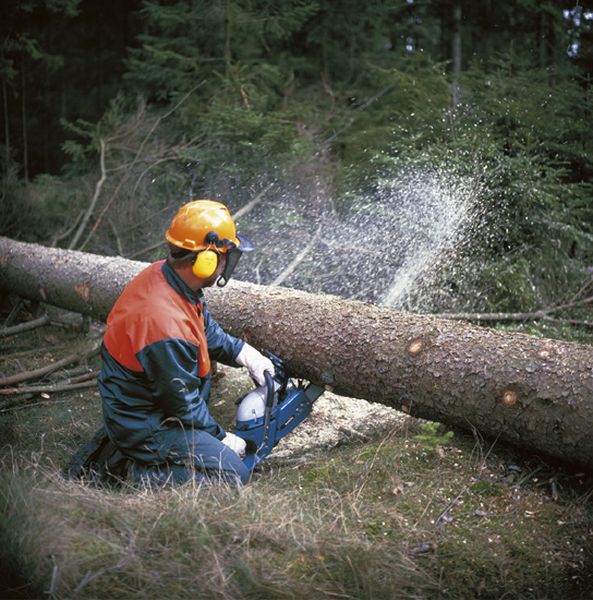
(360, 502)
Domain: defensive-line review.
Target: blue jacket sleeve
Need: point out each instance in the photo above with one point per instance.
(172, 367)
(222, 346)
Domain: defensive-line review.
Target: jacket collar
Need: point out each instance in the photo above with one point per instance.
(173, 279)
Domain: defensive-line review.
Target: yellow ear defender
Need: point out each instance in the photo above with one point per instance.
(205, 264)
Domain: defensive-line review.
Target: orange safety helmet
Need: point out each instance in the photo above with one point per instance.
(193, 226)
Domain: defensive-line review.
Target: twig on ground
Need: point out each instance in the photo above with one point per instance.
(80, 326)
(445, 516)
(36, 389)
(68, 374)
(82, 377)
(13, 403)
(36, 373)
(26, 326)
(27, 350)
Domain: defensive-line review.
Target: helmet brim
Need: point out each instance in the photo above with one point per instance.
(245, 245)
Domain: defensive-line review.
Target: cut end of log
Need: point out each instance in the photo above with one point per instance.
(509, 397)
(415, 346)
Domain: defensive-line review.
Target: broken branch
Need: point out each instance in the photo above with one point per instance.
(251, 204)
(536, 315)
(27, 326)
(94, 199)
(298, 259)
(132, 164)
(36, 373)
(56, 387)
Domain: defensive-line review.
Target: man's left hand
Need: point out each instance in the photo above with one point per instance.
(255, 362)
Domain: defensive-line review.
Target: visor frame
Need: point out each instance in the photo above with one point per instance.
(245, 244)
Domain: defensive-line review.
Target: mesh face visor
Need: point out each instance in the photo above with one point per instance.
(232, 258)
(233, 254)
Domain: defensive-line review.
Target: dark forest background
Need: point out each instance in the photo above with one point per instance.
(301, 114)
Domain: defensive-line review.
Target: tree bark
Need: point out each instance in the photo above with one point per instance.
(533, 392)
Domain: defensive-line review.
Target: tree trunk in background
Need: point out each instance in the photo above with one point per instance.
(542, 39)
(227, 39)
(552, 45)
(24, 124)
(456, 52)
(548, 40)
(534, 392)
(6, 134)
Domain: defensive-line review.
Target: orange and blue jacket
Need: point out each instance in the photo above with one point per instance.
(156, 354)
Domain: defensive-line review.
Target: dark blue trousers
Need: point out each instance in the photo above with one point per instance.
(190, 455)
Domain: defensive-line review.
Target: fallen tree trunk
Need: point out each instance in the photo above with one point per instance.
(534, 392)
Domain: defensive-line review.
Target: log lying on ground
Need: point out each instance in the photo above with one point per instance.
(534, 392)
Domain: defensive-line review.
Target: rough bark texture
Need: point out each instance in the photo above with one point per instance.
(534, 392)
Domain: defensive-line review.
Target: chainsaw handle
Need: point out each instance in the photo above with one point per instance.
(270, 391)
(269, 403)
(280, 374)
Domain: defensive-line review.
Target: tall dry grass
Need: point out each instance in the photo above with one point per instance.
(263, 541)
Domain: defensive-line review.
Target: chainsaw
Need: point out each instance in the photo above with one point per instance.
(269, 412)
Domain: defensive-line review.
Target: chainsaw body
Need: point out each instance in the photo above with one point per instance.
(268, 413)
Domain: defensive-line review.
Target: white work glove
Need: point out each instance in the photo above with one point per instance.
(235, 443)
(255, 362)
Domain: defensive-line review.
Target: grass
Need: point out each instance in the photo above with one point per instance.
(393, 517)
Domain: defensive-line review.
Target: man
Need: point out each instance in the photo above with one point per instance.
(157, 348)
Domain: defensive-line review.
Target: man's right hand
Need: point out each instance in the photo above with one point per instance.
(235, 443)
